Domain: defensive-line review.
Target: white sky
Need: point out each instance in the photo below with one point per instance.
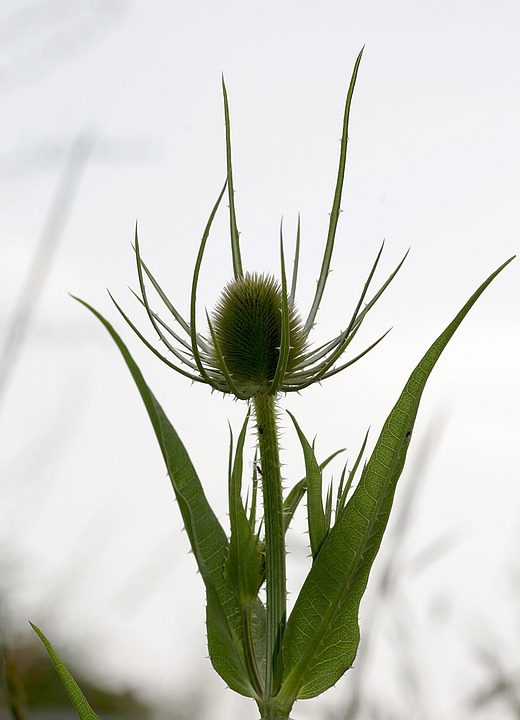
(89, 528)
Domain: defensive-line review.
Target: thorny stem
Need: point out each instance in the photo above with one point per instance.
(269, 712)
(274, 540)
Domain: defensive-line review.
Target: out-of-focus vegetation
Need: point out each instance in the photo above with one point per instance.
(32, 689)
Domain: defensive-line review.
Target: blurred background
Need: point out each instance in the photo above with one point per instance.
(112, 112)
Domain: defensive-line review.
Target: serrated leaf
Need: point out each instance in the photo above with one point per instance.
(207, 537)
(328, 507)
(77, 698)
(322, 633)
(313, 481)
(298, 491)
(243, 564)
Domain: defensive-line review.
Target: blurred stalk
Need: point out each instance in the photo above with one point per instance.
(42, 260)
(13, 687)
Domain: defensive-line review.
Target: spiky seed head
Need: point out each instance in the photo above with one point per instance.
(248, 321)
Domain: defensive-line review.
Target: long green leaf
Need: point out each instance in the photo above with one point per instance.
(315, 512)
(298, 491)
(243, 563)
(322, 634)
(208, 539)
(77, 698)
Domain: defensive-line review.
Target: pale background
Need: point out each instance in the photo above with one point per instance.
(90, 539)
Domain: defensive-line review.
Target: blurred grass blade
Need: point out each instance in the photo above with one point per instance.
(207, 538)
(14, 690)
(322, 633)
(77, 698)
(313, 481)
(235, 237)
(333, 223)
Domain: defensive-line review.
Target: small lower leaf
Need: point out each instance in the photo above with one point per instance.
(313, 481)
(244, 566)
(77, 698)
(298, 491)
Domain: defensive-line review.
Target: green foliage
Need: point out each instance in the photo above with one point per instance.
(77, 698)
(244, 565)
(318, 527)
(297, 493)
(322, 633)
(257, 348)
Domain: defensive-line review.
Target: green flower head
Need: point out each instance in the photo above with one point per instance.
(247, 325)
(256, 342)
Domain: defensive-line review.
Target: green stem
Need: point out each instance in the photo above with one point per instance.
(268, 712)
(274, 540)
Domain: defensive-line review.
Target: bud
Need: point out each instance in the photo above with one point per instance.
(247, 322)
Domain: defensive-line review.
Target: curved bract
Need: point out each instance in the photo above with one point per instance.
(277, 355)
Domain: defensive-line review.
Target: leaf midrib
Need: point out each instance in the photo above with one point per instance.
(334, 608)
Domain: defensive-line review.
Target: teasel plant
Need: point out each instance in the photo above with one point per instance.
(256, 347)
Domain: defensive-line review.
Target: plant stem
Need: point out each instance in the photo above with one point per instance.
(274, 541)
(268, 712)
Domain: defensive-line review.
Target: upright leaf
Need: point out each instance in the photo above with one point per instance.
(207, 537)
(313, 480)
(322, 634)
(243, 564)
(297, 492)
(344, 487)
(77, 698)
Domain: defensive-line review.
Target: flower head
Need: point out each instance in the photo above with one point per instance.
(256, 342)
(247, 326)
